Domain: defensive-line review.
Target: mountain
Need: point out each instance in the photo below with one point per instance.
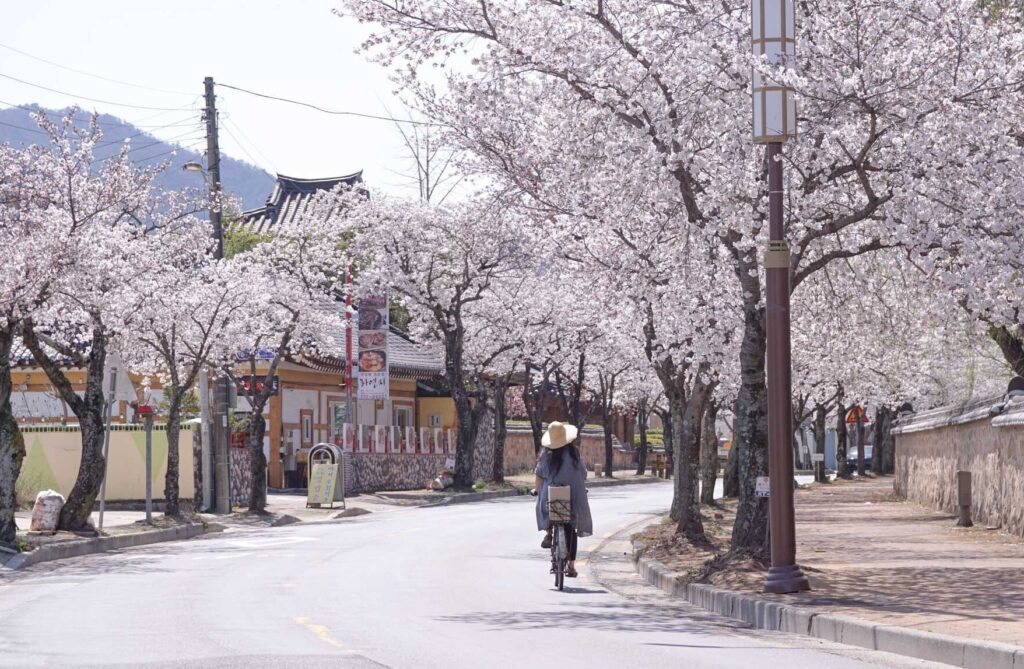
(245, 181)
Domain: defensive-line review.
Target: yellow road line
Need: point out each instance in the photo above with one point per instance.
(322, 632)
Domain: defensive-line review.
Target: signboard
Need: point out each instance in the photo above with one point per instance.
(817, 457)
(856, 413)
(322, 481)
(762, 487)
(372, 356)
(249, 385)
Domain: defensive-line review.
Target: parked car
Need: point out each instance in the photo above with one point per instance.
(851, 457)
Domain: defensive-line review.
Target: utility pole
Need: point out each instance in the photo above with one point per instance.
(774, 40)
(219, 428)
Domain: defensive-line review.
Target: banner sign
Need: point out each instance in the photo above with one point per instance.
(372, 357)
(322, 481)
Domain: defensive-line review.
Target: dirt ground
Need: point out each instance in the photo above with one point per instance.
(871, 556)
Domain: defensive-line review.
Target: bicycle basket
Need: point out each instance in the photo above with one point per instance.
(559, 504)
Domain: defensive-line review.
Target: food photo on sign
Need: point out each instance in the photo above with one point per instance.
(374, 340)
(372, 361)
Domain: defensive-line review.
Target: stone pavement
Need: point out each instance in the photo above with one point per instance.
(872, 557)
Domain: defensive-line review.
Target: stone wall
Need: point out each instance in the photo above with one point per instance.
(241, 476)
(371, 472)
(520, 458)
(985, 438)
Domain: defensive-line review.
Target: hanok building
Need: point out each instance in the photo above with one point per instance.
(397, 442)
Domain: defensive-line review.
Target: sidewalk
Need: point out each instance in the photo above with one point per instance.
(876, 559)
(111, 519)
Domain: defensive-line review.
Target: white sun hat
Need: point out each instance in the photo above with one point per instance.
(558, 435)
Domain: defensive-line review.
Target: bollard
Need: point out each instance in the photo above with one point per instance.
(963, 487)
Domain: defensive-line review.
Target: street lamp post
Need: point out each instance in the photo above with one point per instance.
(773, 32)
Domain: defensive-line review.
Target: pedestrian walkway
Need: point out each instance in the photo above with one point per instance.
(110, 518)
(873, 557)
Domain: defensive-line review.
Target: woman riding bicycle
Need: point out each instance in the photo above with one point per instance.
(560, 464)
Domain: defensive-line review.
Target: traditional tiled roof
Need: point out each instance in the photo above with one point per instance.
(22, 357)
(290, 198)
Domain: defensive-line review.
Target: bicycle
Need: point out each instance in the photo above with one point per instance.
(559, 552)
(560, 517)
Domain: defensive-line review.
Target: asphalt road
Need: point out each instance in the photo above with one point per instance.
(458, 586)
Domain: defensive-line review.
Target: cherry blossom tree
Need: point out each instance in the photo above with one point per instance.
(192, 313)
(561, 97)
(442, 262)
(35, 255)
(108, 219)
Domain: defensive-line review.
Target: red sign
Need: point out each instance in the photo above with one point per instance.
(855, 414)
(250, 385)
(144, 410)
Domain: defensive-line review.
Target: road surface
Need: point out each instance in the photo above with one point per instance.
(456, 586)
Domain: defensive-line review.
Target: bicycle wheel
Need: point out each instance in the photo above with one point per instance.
(560, 549)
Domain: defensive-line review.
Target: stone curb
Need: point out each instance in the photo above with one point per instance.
(611, 483)
(767, 615)
(471, 497)
(68, 549)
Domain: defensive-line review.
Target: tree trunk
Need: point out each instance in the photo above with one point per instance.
(668, 439)
(197, 469)
(709, 454)
(172, 506)
(731, 474)
(534, 404)
(12, 445)
(686, 418)
(89, 408)
(877, 453)
(1012, 347)
(861, 463)
(750, 531)
(842, 471)
(257, 460)
(466, 436)
(500, 430)
(820, 416)
(258, 427)
(883, 457)
(641, 457)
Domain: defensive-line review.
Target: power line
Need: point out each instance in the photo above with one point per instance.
(18, 127)
(326, 111)
(89, 74)
(191, 147)
(227, 127)
(189, 122)
(184, 136)
(83, 97)
(51, 113)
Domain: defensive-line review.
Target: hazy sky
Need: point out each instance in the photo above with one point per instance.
(297, 49)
